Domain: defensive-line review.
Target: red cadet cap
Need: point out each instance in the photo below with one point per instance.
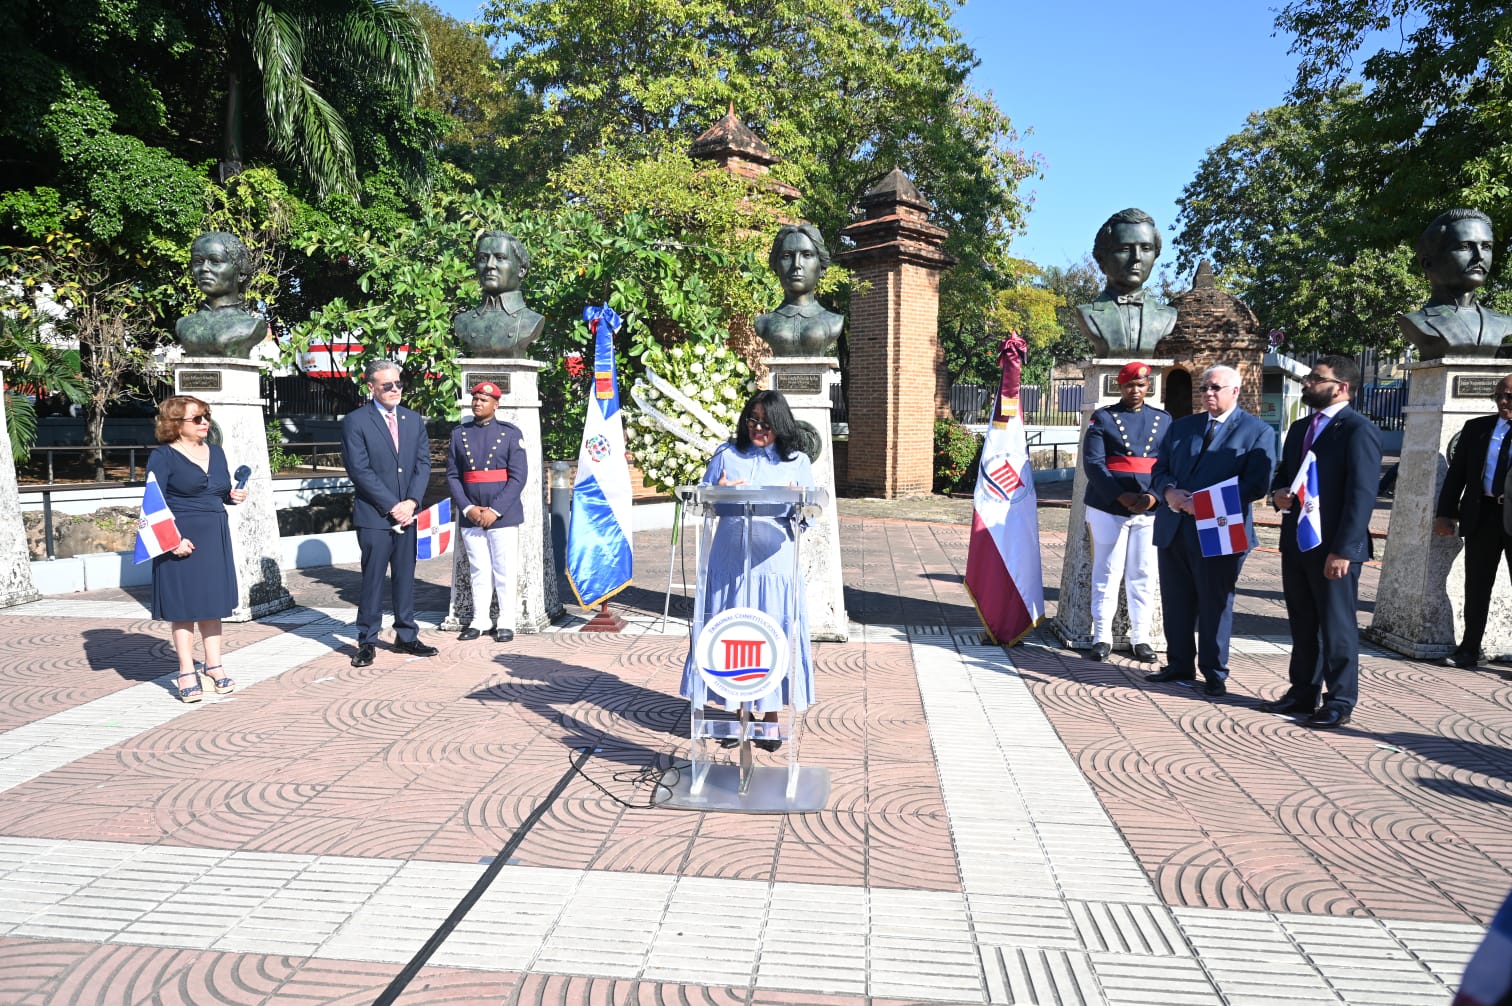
(488, 388)
(1133, 372)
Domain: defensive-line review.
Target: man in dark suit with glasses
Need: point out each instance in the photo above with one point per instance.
(387, 457)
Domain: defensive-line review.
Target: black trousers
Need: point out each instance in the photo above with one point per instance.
(387, 556)
(1325, 629)
(1486, 546)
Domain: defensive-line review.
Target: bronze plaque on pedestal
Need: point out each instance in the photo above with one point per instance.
(800, 384)
(199, 380)
(1475, 387)
(502, 380)
(1111, 390)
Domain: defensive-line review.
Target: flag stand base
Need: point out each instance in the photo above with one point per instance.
(605, 621)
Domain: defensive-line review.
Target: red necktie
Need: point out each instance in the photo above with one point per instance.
(393, 425)
(1312, 432)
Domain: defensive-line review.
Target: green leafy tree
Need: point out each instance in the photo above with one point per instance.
(1292, 236)
(306, 59)
(481, 114)
(843, 90)
(677, 252)
(1430, 129)
(114, 318)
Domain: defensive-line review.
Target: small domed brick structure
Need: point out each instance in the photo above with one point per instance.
(1212, 327)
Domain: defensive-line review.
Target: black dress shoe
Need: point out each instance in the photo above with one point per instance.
(729, 742)
(415, 648)
(1145, 653)
(1099, 651)
(1457, 659)
(364, 655)
(1287, 707)
(469, 633)
(1171, 674)
(503, 635)
(767, 745)
(1214, 687)
(1328, 717)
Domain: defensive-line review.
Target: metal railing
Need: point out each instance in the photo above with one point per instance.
(1055, 403)
(320, 454)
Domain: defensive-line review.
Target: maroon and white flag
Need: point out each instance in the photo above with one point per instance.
(1003, 559)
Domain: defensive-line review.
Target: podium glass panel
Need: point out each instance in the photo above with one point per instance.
(739, 516)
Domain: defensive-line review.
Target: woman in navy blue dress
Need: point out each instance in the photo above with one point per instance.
(195, 584)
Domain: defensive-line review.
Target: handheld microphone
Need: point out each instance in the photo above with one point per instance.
(242, 475)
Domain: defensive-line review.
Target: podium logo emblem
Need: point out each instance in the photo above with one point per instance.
(742, 654)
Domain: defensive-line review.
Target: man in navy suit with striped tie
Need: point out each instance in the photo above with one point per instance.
(1322, 584)
(1197, 591)
(387, 457)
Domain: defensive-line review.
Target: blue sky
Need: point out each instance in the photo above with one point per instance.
(1122, 100)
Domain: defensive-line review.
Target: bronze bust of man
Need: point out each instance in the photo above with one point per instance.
(1121, 321)
(1455, 253)
(800, 326)
(221, 269)
(501, 326)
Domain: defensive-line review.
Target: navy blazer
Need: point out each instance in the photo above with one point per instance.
(1349, 472)
(382, 475)
(1243, 446)
(501, 446)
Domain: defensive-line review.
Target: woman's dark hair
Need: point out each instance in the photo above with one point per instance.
(778, 416)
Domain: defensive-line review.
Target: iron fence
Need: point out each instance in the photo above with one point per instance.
(1055, 403)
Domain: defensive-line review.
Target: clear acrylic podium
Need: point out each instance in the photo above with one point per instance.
(743, 786)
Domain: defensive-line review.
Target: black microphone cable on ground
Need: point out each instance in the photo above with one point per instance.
(402, 980)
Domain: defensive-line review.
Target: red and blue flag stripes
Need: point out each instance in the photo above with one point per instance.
(433, 531)
(1220, 519)
(1309, 518)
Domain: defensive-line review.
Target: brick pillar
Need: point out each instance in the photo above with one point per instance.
(893, 369)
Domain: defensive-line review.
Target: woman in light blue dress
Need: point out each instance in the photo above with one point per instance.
(764, 452)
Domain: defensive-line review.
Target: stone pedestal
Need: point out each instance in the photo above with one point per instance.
(805, 382)
(1073, 612)
(1419, 608)
(233, 390)
(16, 586)
(536, 602)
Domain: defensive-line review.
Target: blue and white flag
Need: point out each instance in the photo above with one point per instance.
(1309, 519)
(156, 531)
(599, 561)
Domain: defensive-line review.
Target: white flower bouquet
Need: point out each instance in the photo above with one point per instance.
(686, 406)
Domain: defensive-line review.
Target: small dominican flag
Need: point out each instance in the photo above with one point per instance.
(1309, 518)
(156, 531)
(433, 530)
(1220, 519)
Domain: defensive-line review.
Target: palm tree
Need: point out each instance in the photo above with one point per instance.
(290, 49)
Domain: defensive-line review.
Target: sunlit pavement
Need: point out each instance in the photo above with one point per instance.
(1015, 826)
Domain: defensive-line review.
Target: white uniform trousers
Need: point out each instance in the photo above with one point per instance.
(1122, 548)
(492, 567)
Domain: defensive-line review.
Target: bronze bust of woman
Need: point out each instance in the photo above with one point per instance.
(221, 269)
(801, 326)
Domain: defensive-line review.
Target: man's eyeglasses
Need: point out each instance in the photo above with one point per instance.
(1502, 396)
(1315, 379)
(390, 386)
(1213, 388)
(758, 425)
(195, 419)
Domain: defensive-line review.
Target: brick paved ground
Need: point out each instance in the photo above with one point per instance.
(1016, 828)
